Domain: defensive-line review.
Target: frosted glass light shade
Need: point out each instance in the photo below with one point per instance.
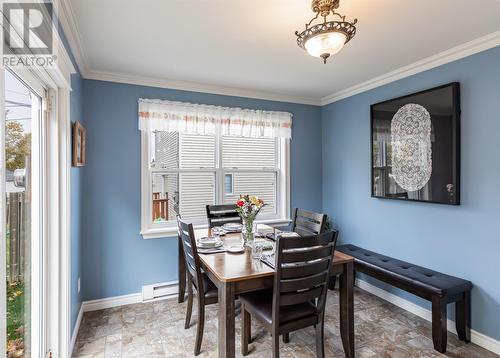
(328, 43)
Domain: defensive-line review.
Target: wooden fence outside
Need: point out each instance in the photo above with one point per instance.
(16, 242)
(160, 207)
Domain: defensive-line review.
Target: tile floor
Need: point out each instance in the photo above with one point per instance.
(157, 330)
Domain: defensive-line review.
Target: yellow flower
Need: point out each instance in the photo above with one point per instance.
(254, 200)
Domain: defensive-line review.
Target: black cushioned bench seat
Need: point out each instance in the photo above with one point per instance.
(426, 280)
(434, 286)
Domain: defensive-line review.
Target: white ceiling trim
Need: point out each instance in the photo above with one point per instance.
(455, 53)
(70, 27)
(197, 87)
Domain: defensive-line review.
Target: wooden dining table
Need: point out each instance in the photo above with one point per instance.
(234, 274)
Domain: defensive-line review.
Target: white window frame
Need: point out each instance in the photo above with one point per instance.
(151, 230)
(56, 216)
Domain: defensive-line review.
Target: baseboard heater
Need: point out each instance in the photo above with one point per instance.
(159, 290)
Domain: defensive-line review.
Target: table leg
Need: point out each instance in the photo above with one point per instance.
(226, 320)
(346, 288)
(182, 273)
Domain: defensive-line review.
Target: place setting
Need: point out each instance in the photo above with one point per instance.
(210, 245)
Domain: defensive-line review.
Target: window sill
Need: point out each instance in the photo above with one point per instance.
(171, 231)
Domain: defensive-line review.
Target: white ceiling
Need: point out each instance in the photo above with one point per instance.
(251, 44)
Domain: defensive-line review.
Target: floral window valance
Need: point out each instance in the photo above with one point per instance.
(168, 116)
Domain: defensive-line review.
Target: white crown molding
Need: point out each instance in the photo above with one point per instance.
(70, 27)
(69, 24)
(455, 53)
(197, 87)
(480, 339)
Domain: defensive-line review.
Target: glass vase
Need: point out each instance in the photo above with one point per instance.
(248, 231)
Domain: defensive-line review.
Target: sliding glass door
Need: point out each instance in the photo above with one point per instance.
(24, 238)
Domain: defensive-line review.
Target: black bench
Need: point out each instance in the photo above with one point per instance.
(434, 286)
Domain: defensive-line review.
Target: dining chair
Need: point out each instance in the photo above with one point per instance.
(306, 223)
(206, 290)
(219, 215)
(299, 293)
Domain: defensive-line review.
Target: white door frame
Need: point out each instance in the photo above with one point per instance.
(57, 210)
(3, 246)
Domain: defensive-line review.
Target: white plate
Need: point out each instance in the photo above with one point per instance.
(235, 249)
(210, 245)
(232, 226)
(209, 239)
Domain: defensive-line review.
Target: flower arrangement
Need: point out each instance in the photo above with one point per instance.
(248, 206)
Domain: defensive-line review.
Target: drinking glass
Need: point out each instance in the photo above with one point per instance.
(257, 249)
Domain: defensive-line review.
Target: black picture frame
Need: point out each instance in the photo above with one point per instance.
(443, 106)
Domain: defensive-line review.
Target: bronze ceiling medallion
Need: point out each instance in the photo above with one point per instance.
(326, 38)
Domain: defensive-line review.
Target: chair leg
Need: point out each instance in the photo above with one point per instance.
(439, 324)
(189, 303)
(276, 345)
(246, 332)
(201, 324)
(462, 317)
(286, 338)
(320, 339)
(331, 283)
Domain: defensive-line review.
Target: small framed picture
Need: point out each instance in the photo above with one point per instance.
(79, 144)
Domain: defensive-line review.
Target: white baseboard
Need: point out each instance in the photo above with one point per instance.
(110, 302)
(480, 339)
(76, 329)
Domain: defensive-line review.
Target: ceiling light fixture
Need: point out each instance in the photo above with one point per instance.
(327, 38)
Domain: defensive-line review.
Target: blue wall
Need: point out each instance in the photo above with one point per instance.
(462, 240)
(117, 260)
(76, 100)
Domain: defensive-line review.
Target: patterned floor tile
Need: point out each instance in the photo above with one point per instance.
(150, 330)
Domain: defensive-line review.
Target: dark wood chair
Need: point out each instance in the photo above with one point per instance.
(219, 215)
(299, 292)
(306, 223)
(206, 290)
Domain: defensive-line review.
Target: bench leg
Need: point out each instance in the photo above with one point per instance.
(439, 322)
(462, 317)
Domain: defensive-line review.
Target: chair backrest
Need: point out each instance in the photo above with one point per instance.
(302, 270)
(186, 235)
(219, 215)
(307, 223)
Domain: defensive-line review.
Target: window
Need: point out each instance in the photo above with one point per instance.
(23, 239)
(182, 173)
(228, 184)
